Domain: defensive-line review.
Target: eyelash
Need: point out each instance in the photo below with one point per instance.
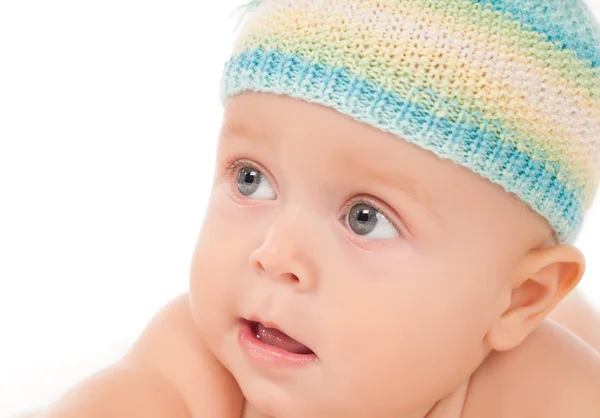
(233, 164)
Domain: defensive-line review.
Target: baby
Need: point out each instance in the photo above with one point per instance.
(398, 187)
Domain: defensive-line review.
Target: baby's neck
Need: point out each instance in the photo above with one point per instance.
(449, 407)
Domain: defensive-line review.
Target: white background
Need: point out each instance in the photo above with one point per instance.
(109, 114)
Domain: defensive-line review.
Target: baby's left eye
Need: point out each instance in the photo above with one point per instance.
(367, 221)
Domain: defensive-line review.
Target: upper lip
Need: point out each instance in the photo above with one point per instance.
(267, 324)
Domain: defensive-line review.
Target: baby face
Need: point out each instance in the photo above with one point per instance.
(342, 271)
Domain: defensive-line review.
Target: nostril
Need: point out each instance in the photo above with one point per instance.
(258, 266)
(273, 272)
(291, 277)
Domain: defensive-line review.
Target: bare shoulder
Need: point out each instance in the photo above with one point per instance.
(171, 346)
(552, 374)
(167, 373)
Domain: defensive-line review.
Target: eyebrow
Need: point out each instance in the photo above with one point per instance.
(404, 184)
(244, 130)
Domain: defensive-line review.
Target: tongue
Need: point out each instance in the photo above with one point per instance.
(277, 338)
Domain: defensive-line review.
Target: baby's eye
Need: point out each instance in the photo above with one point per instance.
(254, 184)
(367, 221)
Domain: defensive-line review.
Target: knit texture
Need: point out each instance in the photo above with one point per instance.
(507, 88)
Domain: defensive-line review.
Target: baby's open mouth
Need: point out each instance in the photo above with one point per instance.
(279, 339)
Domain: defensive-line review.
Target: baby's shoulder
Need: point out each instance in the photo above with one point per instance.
(172, 347)
(552, 374)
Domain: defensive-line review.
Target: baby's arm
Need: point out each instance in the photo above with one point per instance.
(167, 373)
(123, 390)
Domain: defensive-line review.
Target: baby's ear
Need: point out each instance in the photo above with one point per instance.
(541, 280)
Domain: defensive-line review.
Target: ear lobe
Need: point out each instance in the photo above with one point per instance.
(542, 279)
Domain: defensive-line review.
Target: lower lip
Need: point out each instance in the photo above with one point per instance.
(269, 354)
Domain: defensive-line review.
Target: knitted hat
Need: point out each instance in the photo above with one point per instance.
(507, 88)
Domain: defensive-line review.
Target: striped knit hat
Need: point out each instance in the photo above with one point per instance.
(507, 88)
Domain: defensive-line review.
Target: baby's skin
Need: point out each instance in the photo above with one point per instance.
(343, 272)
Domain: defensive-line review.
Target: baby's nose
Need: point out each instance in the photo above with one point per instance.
(286, 253)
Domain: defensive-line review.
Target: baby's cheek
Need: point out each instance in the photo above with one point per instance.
(212, 281)
(378, 366)
(400, 339)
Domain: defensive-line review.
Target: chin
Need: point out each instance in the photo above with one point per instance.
(264, 398)
(272, 399)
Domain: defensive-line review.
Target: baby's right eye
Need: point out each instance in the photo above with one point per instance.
(252, 183)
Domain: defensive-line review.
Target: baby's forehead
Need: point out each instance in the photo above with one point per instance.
(274, 122)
